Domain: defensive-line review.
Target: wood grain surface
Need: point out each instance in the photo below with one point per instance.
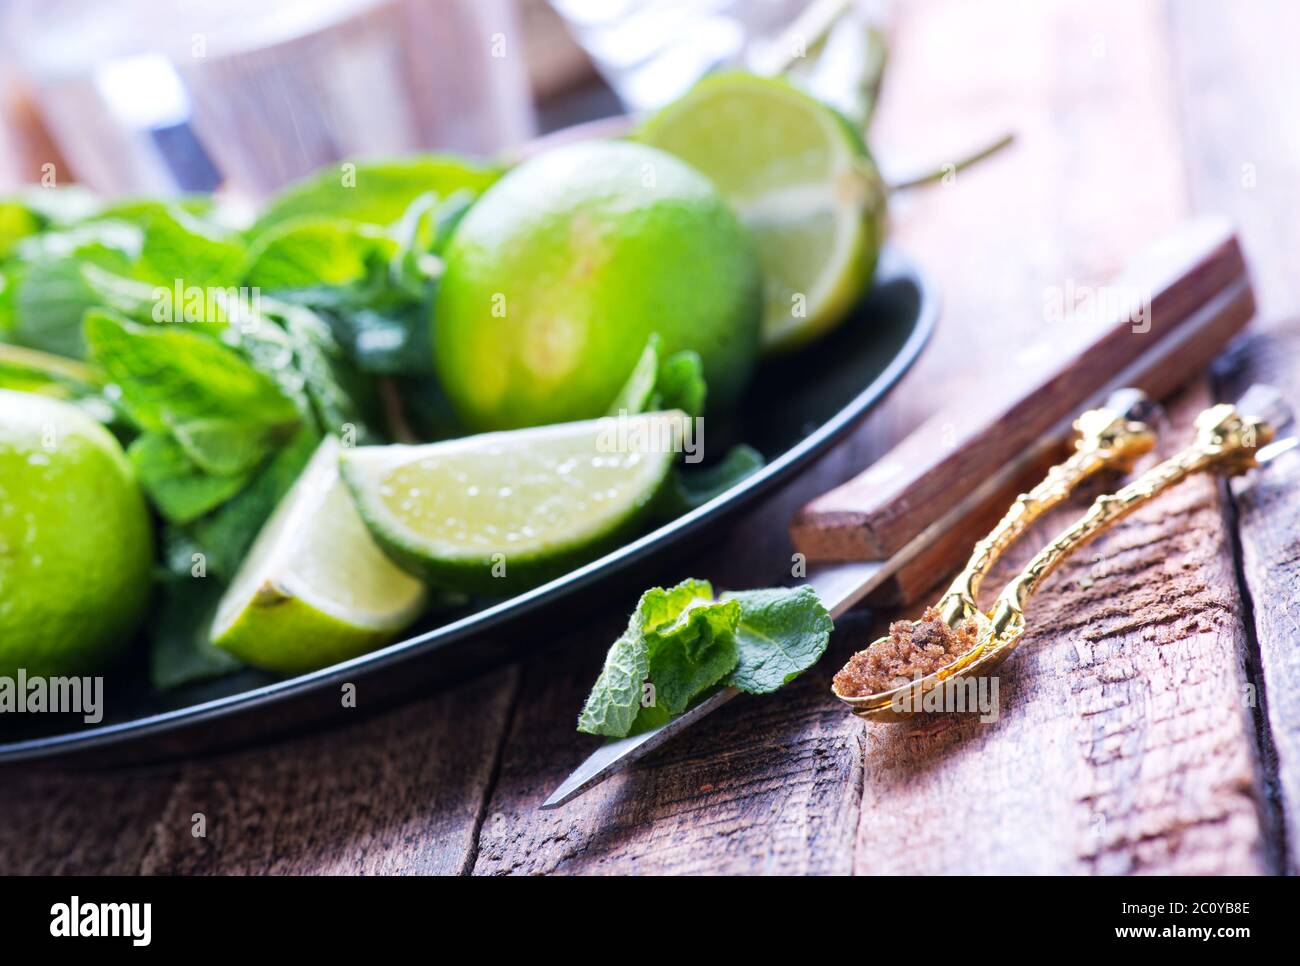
(1242, 143)
(1149, 724)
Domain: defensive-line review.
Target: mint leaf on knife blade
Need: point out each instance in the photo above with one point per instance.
(693, 653)
(782, 632)
(682, 644)
(615, 699)
(680, 640)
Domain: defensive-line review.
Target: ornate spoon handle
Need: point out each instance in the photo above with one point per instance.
(1111, 437)
(1225, 439)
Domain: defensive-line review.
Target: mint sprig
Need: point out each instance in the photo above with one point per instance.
(682, 643)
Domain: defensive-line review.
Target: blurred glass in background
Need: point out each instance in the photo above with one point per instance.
(651, 51)
(175, 96)
(165, 96)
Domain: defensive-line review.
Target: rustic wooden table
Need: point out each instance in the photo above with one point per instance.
(1152, 724)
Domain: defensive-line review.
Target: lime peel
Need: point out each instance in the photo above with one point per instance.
(500, 512)
(314, 589)
(800, 178)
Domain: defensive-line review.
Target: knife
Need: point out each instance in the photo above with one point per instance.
(889, 534)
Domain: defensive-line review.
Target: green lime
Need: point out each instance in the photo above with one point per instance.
(800, 178)
(497, 513)
(558, 276)
(76, 544)
(314, 589)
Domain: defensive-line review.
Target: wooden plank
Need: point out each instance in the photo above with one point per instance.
(1242, 137)
(399, 792)
(402, 792)
(1102, 742)
(64, 824)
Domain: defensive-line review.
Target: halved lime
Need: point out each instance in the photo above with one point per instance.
(800, 178)
(497, 513)
(314, 589)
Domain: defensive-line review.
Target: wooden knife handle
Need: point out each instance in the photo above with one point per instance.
(1199, 296)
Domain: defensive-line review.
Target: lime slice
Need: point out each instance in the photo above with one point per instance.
(314, 589)
(497, 513)
(799, 176)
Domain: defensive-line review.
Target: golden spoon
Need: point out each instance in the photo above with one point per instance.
(1228, 438)
(1110, 437)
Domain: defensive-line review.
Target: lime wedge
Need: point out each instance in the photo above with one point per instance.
(800, 178)
(497, 513)
(314, 589)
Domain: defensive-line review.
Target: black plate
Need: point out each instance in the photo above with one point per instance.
(824, 391)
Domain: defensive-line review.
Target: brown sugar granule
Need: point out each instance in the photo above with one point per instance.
(913, 648)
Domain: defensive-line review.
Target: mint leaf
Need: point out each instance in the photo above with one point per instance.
(179, 246)
(179, 488)
(374, 192)
(694, 488)
(693, 653)
(422, 234)
(224, 535)
(224, 445)
(681, 384)
(782, 632)
(307, 253)
(657, 384)
(338, 393)
(685, 643)
(180, 650)
(615, 699)
(47, 298)
(17, 222)
(681, 640)
(168, 376)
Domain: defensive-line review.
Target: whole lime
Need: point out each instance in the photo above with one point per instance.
(558, 276)
(76, 545)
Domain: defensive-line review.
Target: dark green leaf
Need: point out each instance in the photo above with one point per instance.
(374, 192)
(693, 488)
(681, 640)
(305, 254)
(181, 652)
(225, 535)
(615, 699)
(782, 632)
(179, 488)
(342, 398)
(169, 376)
